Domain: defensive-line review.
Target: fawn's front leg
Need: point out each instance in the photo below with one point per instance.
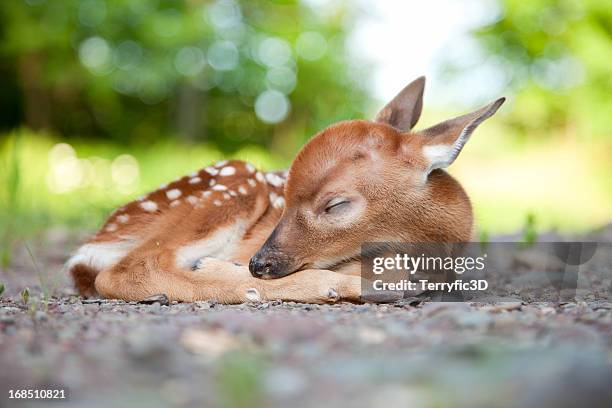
(308, 286)
(146, 272)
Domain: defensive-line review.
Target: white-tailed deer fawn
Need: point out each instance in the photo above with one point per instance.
(355, 181)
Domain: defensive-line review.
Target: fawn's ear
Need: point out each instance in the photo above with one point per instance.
(443, 142)
(404, 110)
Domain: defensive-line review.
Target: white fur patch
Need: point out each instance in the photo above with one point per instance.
(212, 171)
(111, 227)
(249, 167)
(252, 182)
(260, 177)
(212, 182)
(123, 218)
(220, 244)
(253, 295)
(174, 203)
(173, 194)
(279, 202)
(149, 206)
(206, 194)
(227, 171)
(217, 203)
(276, 201)
(438, 156)
(101, 255)
(274, 179)
(194, 180)
(242, 190)
(219, 187)
(192, 200)
(226, 196)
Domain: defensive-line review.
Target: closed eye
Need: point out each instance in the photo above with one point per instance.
(335, 204)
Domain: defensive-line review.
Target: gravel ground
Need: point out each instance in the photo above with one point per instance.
(414, 353)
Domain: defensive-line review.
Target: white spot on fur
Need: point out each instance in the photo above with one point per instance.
(279, 202)
(232, 193)
(260, 177)
(252, 182)
(173, 194)
(123, 218)
(253, 295)
(242, 190)
(174, 203)
(227, 171)
(212, 182)
(206, 194)
(212, 171)
(194, 180)
(217, 203)
(226, 196)
(149, 206)
(219, 187)
(221, 163)
(332, 294)
(275, 200)
(249, 167)
(192, 199)
(274, 179)
(111, 227)
(221, 245)
(101, 255)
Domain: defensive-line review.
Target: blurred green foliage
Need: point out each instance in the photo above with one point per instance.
(227, 72)
(103, 100)
(556, 54)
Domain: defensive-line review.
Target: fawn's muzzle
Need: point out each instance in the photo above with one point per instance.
(269, 263)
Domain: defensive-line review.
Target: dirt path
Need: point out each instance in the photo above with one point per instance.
(429, 354)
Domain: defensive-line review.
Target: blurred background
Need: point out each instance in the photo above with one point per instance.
(102, 100)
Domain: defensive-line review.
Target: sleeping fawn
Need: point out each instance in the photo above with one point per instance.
(300, 232)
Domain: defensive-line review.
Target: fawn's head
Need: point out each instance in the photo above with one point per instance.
(366, 181)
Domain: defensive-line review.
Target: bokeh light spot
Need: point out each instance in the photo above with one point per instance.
(311, 45)
(272, 106)
(95, 54)
(282, 79)
(65, 172)
(127, 55)
(189, 61)
(223, 14)
(125, 173)
(274, 52)
(223, 55)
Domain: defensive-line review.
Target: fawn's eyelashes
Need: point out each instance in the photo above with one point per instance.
(336, 204)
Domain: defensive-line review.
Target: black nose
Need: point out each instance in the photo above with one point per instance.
(259, 267)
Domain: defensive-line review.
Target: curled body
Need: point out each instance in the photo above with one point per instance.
(232, 233)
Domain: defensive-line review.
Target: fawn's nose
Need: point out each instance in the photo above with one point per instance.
(260, 267)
